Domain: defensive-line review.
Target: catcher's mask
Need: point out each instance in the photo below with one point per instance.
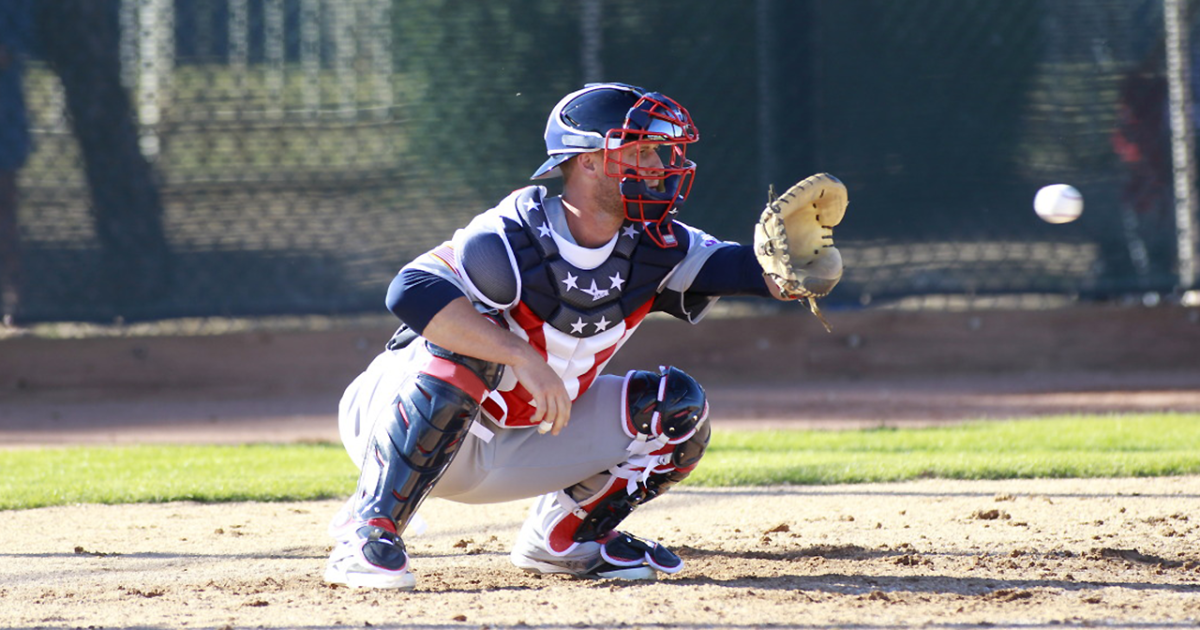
(612, 117)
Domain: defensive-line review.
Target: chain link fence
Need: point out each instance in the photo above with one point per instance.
(200, 158)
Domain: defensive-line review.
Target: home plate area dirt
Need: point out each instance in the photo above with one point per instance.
(929, 553)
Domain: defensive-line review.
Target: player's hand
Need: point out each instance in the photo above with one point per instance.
(550, 399)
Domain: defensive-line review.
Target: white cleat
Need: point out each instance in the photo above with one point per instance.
(374, 558)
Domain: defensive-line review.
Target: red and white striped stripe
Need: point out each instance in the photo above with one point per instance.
(577, 360)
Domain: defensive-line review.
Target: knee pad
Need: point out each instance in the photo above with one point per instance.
(409, 451)
(666, 414)
(662, 408)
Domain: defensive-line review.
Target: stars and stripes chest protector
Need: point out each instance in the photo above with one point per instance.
(576, 317)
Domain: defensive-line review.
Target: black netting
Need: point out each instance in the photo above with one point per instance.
(252, 157)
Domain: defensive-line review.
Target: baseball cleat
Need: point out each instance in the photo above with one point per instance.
(598, 569)
(374, 558)
(586, 562)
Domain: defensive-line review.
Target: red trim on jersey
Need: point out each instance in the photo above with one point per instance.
(635, 318)
(518, 399)
(587, 378)
(520, 412)
(532, 325)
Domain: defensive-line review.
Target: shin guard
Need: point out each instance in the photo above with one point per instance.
(409, 451)
(666, 414)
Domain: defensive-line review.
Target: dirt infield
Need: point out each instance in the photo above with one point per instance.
(1018, 554)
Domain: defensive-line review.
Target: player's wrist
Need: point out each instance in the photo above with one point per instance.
(525, 357)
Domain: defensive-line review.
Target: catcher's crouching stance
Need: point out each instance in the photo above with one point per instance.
(431, 437)
(495, 387)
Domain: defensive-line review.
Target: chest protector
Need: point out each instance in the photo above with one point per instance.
(584, 302)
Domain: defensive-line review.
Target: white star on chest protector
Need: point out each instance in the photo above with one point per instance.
(570, 281)
(543, 230)
(577, 327)
(631, 231)
(602, 325)
(617, 282)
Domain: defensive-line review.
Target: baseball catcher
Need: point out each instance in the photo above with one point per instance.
(494, 387)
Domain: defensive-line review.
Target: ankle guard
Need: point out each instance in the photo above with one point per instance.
(431, 415)
(666, 414)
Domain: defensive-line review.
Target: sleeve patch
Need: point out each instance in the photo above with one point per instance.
(445, 254)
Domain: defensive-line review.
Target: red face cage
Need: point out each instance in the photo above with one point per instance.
(655, 184)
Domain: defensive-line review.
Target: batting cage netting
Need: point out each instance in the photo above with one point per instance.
(199, 158)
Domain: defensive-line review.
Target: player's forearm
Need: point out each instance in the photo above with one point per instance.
(438, 311)
(731, 271)
(459, 328)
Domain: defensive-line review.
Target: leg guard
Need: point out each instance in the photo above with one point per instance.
(606, 513)
(409, 451)
(666, 415)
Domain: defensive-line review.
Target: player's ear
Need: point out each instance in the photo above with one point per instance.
(590, 162)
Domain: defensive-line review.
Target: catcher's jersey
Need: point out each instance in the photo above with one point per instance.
(577, 306)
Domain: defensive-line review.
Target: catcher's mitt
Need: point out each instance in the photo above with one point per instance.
(794, 238)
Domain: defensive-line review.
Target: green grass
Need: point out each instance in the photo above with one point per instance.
(143, 474)
(1103, 446)
(1077, 446)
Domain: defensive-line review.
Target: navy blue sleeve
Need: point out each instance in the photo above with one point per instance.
(731, 271)
(415, 296)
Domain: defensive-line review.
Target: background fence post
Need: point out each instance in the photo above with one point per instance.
(1183, 140)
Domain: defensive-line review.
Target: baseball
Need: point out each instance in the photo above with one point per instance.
(1058, 203)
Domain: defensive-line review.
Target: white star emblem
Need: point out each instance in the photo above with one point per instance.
(543, 230)
(570, 281)
(631, 231)
(532, 204)
(595, 291)
(617, 282)
(577, 327)
(602, 325)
